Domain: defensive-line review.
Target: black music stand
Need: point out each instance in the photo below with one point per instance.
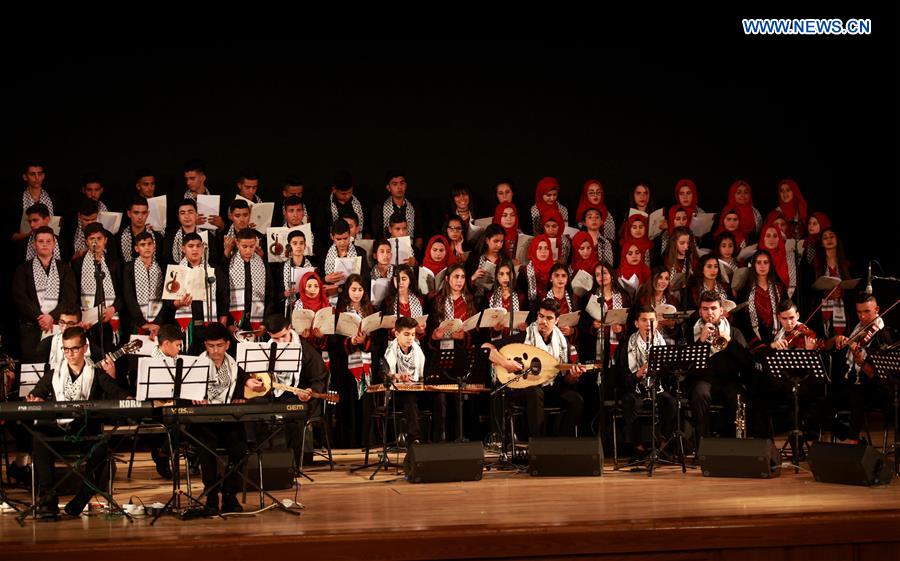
(273, 359)
(795, 365)
(161, 382)
(678, 360)
(463, 360)
(887, 364)
(384, 461)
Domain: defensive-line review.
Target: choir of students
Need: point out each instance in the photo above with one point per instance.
(475, 267)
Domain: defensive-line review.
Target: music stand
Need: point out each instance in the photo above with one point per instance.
(270, 358)
(887, 364)
(795, 365)
(460, 360)
(172, 379)
(384, 460)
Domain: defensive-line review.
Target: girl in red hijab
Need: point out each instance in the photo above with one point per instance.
(771, 239)
(740, 199)
(537, 271)
(631, 264)
(730, 221)
(545, 196)
(507, 217)
(818, 222)
(593, 196)
(686, 197)
(791, 207)
(437, 254)
(584, 254)
(312, 297)
(635, 233)
(554, 225)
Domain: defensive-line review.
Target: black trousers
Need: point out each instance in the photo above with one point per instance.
(230, 436)
(868, 395)
(565, 397)
(77, 440)
(702, 394)
(632, 403)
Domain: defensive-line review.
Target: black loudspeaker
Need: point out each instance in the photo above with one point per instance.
(277, 469)
(739, 457)
(446, 461)
(850, 464)
(565, 457)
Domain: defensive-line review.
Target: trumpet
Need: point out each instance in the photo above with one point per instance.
(740, 418)
(717, 341)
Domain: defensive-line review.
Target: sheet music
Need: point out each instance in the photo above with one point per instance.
(656, 217)
(324, 321)
(347, 324)
(348, 266)
(261, 216)
(568, 320)
(255, 357)
(702, 224)
(208, 205)
(426, 281)
(156, 378)
(403, 246)
(582, 283)
(157, 207)
(487, 281)
(371, 322)
(522, 247)
(112, 221)
(379, 289)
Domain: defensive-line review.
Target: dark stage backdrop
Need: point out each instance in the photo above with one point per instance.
(822, 110)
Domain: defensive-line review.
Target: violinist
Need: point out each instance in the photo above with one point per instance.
(793, 334)
(859, 382)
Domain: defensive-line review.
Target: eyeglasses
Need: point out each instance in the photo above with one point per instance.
(71, 350)
(68, 323)
(454, 228)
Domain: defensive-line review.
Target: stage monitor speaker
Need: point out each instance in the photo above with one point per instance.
(739, 457)
(566, 457)
(277, 469)
(850, 464)
(445, 461)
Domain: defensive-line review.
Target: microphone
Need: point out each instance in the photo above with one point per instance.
(869, 284)
(892, 279)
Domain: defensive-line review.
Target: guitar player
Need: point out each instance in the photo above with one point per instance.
(558, 392)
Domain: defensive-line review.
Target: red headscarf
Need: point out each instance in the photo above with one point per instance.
(437, 266)
(691, 208)
(555, 216)
(625, 270)
(797, 205)
(544, 186)
(584, 204)
(744, 211)
(578, 263)
(541, 268)
(511, 235)
(317, 303)
(738, 234)
(779, 254)
(670, 222)
(824, 224)
(644, 244)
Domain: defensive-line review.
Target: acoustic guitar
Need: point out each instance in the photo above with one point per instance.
(540, 366)
(268, 385)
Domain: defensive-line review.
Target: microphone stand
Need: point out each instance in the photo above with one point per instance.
(798, 260)
(209, 282)
(99, 293)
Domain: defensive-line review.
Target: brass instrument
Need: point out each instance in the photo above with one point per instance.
(740, 418)
(717, 341)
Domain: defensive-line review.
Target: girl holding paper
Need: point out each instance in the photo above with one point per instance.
(554, 227)
(562, 293)
(507, 217)
(453, 301)
(635, 234)
(593, 224)
(730, 222)
(772, 239)
(484, 260)
(312, 297)
(678, 218)
(681, 257)
(506, 297)
(403, 298)
(763, 294)
(285, 276)
(606, 294)
(707, 278)
(352, 358)
(536, 273)
(833, 262)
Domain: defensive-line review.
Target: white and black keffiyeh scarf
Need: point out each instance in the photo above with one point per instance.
(774, 299)
(558, 348)
(289, 277)
(44, 199)
(538, 226)
(604, 249)
(357, 208)
(193, 196)
(46, 284)
(127, 243)
(617, 304)
(376, 274)
(89, 284)
(639, 352)
(415, 305)
(78, 389)
(568, 299)
(389, 208)
(220, 381)
(177, 246)
(332, 255)
(237, 286)
(148, 288)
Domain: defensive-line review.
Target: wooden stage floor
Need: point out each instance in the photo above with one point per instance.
(621, 515)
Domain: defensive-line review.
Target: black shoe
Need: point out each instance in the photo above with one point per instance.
(212, 503)
(163, 468)
(76, 506)
(230, 504)
(48, 509)
(22, 474)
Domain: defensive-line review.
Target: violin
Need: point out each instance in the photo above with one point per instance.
(173, 285)
(794, 340)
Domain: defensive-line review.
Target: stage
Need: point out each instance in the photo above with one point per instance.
(620, 515)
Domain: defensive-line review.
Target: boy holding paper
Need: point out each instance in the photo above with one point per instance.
(342, 258)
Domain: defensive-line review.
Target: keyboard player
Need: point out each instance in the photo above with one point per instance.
(73, 379)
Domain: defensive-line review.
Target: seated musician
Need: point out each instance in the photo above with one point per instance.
(729, 361)
(561, 391)
(73, 379)
(766, 395)
(859, 382)
(309, 378)
(404, 362)
(639, 345)
(225, 385)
